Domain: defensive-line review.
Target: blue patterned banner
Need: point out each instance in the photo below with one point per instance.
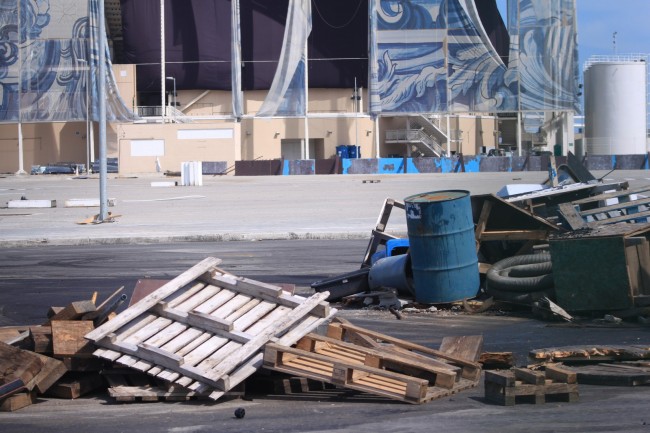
(434, 56)
(47, 61)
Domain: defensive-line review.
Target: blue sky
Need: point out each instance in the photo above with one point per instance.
(599, 19)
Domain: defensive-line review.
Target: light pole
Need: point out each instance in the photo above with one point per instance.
(174, 89)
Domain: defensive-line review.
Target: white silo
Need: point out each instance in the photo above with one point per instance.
(615, 91)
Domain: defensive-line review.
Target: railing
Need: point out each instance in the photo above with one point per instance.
(149, 111)
(170, 112)
(417, 137)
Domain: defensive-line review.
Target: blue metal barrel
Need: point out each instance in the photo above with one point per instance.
(442, 246)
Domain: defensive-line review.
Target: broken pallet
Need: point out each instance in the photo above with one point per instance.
(519, 385)
(391, 372)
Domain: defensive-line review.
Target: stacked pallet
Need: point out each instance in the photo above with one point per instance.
(364, 360)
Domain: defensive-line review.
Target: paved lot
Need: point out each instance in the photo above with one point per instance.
(310, 207)
(228, 208)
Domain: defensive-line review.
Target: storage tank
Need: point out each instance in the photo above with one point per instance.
(615, 105)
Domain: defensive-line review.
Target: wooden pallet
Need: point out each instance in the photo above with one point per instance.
(390, 372)
(522, 385)
(594, 211)
(128, 386)
(205, 330)
(613, 374)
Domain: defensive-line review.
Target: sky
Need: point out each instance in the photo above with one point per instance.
(599, 19)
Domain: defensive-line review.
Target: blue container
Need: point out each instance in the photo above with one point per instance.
(354, 151)
(396, 247)
(342, 151)
(442, 246)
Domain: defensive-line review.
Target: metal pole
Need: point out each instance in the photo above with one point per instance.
(101, 94)
(306, 102)
(162, 59)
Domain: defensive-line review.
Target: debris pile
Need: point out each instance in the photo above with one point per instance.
(574, 249)
(204, 333)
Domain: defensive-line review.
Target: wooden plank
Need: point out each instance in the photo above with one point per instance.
(104, 306)
(52, 370)
(248, 349)
(571, 216)
(622, 218)
(75, 386)
(41, 339)
(68, 338)
(627, 206)
(560, 374)
(18, 364)
(74, 311)
(151, 300)
(615, 194)
(267, 292)
(17, 401)
(482, 221)
(514, 235)
(464, 347)
(471, 369)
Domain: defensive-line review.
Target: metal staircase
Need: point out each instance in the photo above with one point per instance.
(422, 135)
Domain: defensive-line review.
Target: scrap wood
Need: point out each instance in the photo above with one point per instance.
(73, 311)
(497, 360)
(471, 370)
(68, 338)
(205, 330)
(17, 401)
(75, 385)
(590, 353)
(631, 373)
(95, 219)
(511, 386)
(386, 370)
(104, 310)
(475, 306)
(17, 365)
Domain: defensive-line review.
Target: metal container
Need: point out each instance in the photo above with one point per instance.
(394, 272)
(442, 246)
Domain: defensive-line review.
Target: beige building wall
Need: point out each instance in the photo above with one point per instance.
(148, 148)
(334, 119)
(43, 143)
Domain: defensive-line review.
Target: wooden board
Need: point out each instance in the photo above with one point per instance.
(74, 385)
(68, 338)
(590, 353)
(613, 374)
(74, 311)
(17, 401)
(18, 364)
(205, 330)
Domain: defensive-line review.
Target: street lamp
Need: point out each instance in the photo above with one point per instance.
(174, 88)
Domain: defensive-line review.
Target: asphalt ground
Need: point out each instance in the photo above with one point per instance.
(278, 208)
(228, 208)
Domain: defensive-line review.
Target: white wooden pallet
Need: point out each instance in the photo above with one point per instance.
(206, 329)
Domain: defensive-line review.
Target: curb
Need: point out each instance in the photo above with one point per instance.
(229, 237)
